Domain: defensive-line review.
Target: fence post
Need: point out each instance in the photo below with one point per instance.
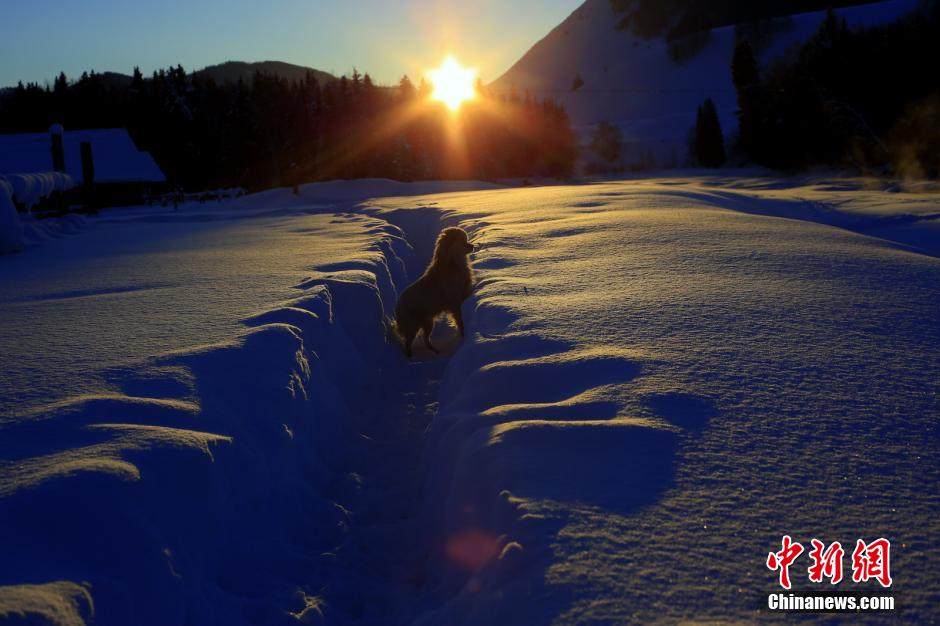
(58, 148)
(88, 172)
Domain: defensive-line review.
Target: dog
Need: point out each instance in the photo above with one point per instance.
(442, 288)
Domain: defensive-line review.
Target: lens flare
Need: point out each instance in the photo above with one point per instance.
(453, 83)
(472, 549)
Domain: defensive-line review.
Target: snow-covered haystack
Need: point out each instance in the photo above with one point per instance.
(26, 190)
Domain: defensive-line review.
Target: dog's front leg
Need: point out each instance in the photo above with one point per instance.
(427, 328)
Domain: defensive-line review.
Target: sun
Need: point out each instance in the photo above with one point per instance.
(453, 83)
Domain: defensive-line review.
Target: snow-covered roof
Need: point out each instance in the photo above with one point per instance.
(117, 159)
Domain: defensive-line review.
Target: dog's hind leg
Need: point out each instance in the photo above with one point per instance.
(409, 339)
(458, 317)
(427, 327)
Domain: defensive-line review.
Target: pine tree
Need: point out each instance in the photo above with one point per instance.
(406, 90)
(708, 144)
(607, 142)
(424, 88)
(61, 84)
(746, 76)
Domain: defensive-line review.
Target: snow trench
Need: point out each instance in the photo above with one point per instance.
(280, 477)
(304, 472)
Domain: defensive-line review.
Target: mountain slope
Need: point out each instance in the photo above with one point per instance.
(231, 71)
(636, 82)
(677, 18)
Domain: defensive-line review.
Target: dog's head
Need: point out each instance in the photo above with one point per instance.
(452, 244)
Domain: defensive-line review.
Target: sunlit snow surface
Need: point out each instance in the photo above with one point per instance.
(135, 287)
(661, 377)
(665, 382)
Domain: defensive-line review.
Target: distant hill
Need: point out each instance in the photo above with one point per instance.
(114, 79)
(231, 71)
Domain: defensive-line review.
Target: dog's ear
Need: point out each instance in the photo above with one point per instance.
(441, 247)
(452, 246)
(444, 241)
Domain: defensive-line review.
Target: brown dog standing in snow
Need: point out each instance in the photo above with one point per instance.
(446, 283)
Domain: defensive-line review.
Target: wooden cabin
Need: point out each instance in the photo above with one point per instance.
(107, 167)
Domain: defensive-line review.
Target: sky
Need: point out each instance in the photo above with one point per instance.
(386, 38)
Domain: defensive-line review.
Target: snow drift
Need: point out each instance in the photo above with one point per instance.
(200, 485)
(660, 377)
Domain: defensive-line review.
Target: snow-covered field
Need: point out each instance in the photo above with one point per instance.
(203, 421)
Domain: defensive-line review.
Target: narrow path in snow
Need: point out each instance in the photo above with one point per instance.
(381, 567)
(383, 560)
